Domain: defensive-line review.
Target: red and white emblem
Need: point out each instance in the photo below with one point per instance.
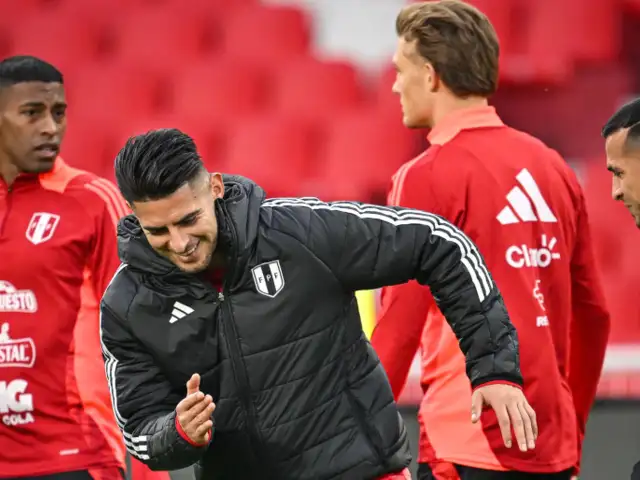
(41, 227)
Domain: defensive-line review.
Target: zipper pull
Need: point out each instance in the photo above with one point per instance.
(221, 297)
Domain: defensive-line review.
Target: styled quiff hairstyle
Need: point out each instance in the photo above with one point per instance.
(457, 40)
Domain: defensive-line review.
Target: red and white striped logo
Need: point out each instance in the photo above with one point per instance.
(42, 227)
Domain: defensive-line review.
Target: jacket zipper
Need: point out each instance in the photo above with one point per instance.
(237, 363)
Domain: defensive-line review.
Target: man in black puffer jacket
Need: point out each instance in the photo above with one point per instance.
(250, 304)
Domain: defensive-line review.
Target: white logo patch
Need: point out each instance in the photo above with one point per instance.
(16, 301)
(520, 256)
(16, 406)
(41, 227)
(180, 310)
(268, 278)
(520, 207)
(16, 352)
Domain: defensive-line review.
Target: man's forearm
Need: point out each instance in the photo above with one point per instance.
(161, 446)
(488, 340)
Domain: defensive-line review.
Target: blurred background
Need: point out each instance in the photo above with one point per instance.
(297, 95)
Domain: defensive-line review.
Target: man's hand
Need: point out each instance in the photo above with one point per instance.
(512, 409)
(194, 412)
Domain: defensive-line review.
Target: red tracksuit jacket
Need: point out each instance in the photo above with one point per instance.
(524, 208)
(57, 255)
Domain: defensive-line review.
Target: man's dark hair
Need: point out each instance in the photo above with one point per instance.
(25, 68)
(155, 164)
(628, 116)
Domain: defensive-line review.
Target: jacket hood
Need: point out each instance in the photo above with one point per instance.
(237, 214)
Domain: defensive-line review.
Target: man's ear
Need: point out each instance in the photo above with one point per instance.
(432, 78)
(217, 185)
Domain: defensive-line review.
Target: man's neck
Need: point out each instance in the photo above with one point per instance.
(8, 171)
(448, 104)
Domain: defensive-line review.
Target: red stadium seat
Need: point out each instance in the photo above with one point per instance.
(57, 37)
(16, 10)
(168, 36)
(633, 5)
(6, 48)
(383, 90)
(548, 45)
(312, 89)
(88, 147)
(108, 93)
(597, 35)
(367, 146)
(218, 90)
(331, 189)
(610, 245)
(13, 12)
(267, 34)
(625, 314)
(387, 102)
(274, 151)
(217, 9)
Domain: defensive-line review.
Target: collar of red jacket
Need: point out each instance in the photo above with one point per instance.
(58, 165)
(465, 119)
(28, 178)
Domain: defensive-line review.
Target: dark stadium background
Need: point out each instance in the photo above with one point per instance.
(296, 94)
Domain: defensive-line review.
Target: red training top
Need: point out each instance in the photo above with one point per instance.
(524, 208)
(58, 253)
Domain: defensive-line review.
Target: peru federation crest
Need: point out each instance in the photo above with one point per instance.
(42, 227)
(268, 278)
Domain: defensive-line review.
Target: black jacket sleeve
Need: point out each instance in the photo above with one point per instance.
(142, 399)
(369, 246)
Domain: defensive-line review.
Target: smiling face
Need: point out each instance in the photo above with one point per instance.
(623, 161)
(32, 126)
(183, 227)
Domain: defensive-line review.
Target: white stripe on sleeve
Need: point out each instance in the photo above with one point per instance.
(470, 257)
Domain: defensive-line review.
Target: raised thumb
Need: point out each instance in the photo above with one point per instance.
(193, 385)
(476, 406)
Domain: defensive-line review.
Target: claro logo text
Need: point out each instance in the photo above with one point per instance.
(541, 256)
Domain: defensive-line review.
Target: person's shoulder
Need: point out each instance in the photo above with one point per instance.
(286, 212)
(534, 144)
(97, 189)
(457, 153)
(93, 192)
(437, 165)
(426, 162)
(301, 218)
(121, 291)
(547, 156)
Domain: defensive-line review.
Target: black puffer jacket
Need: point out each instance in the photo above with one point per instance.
(300, 393)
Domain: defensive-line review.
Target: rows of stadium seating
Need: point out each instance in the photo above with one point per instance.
(615, 239)
(244, 80)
